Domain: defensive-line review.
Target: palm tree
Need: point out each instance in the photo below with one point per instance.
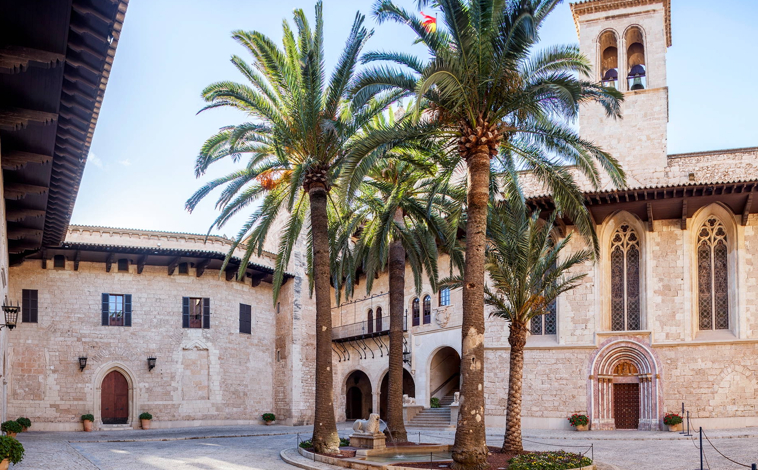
(527, 272)
(488, 94)
(301, 130)
(402, 217)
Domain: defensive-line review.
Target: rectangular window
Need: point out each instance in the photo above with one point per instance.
(246, 315)
(183, 268)
(29, 306)
(123, 265)
(116, 310)
(196, 312)
(59, 261)
(444, 296)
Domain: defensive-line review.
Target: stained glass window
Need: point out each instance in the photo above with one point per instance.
(712, 275)
(625, 279)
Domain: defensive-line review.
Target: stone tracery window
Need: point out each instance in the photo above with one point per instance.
(712, 275)
(625, 279)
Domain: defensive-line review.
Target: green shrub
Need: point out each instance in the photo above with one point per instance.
(11, 449)
(306, 444)
(145, 415)
(268, 417)
(88, 418)
(558, 460)
(578, 420)
(10, 426)
(672, 419)
(24, 422)
(344, 442)
(435, 402)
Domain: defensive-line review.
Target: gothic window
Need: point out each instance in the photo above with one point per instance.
(625, 279)
(427, 309)
(713, 280)
(379, 319)
(416, 311)
(545, 324)
(370, 321)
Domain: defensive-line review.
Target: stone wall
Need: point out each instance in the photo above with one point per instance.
(211, 376)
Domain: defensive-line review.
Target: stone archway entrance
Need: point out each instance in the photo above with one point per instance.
(409, 388)
(114, 399)
(625, 387)
(357, 396)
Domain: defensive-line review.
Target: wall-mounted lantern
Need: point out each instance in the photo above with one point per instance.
(82, 363)
(11, 316)
(150, 363)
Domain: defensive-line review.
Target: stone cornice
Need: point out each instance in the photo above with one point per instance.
(597, 6)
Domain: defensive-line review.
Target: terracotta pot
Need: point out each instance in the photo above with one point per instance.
(586, 427)
(269, 423)
(10, 434)
(87, 425)
(4, 464)
(145, 423)
(24, 428)
(675, 427)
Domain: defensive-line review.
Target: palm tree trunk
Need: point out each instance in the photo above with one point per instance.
(395, 375)
(325, 437)
(517, 340)
(470, 448)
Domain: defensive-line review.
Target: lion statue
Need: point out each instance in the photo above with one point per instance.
(367, 426)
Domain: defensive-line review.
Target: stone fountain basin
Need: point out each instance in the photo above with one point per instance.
(362, 459)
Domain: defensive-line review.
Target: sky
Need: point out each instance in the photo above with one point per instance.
(140, 170)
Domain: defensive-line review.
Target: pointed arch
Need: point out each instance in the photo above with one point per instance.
(622, 266)
(714, 261)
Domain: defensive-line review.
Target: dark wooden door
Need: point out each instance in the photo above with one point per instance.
(114, 401)
(626, 405)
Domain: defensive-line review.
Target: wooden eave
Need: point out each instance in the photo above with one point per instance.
(664, 203)
(55, 60)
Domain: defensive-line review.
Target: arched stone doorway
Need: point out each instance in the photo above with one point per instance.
(357, 396)
(444, 373)
(409, 388)
(114, 398)
(625, 388)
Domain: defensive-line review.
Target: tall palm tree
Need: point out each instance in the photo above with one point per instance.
(300, 130)
(403, 217)
(528, 271)
(487, 93)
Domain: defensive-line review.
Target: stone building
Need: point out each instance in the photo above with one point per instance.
(667, 315)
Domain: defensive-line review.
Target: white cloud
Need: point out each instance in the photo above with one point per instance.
(95, 160)
(125, 162)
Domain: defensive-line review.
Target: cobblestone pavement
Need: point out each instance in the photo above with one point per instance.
(258, 447)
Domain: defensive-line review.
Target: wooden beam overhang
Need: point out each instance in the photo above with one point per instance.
(650, 219)
(746, 210)
(77, 258)
(16, 59)
(685, 214)
(141, 263)
(16, 191)
(15, 160)
(200, 267)
(173, 264)
(15, 119)
(109, 262)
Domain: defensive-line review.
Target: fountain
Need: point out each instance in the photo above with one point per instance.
(367, 433)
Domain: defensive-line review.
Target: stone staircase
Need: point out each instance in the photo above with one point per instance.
(435, 417)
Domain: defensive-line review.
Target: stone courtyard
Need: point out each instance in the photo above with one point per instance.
(259, 448)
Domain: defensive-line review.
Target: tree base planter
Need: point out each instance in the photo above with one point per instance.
(87, 426)
(675, 427)
(585, 427)
(145, 423)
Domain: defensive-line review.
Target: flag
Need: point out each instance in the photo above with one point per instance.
(429, 23)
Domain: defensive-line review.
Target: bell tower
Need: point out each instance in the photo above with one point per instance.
(626, 42)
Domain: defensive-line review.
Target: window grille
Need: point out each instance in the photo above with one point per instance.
(625, 279)
(713, 278)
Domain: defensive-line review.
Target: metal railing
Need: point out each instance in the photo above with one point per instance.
(375, 327)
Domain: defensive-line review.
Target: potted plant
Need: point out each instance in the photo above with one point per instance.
(87, 420)
(269, 418)
(580, 422)
(434, 402)
(673, 421)
(10, 428)
(144, 419)
(25, 423)
(10, 451)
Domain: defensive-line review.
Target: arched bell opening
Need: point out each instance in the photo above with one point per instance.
(609, 59)
(635, 57)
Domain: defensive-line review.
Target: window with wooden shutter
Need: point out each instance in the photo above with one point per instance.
(206, 313)
(116, 310)
(194, 312)
(29, 306)
(246, 315)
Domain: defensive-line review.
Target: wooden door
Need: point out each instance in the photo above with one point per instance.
(114, 399)
(626, 405)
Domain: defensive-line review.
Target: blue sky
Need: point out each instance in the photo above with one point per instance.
(140, 170)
